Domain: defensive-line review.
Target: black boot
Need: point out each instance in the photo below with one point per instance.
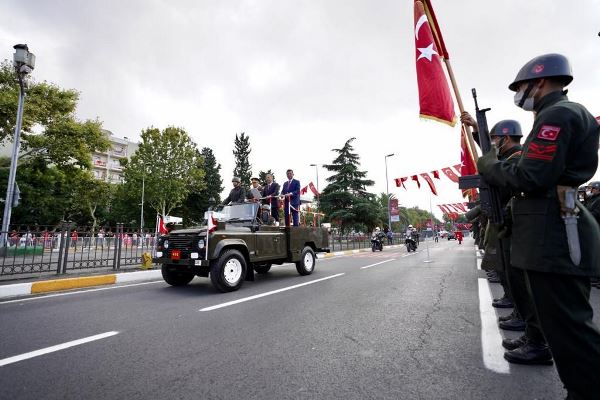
(515, 324)
(503, 302)
(530, 354)
(511, 344)
(507, 317)
(493, 277)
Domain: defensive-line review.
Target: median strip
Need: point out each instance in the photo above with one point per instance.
(52, 349)
(230, 303)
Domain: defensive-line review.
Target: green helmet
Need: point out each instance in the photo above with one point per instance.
(506, 127)
(544, 66)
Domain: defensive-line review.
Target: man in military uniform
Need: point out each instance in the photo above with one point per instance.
(237, 194)
(560, 151)
(592, 203)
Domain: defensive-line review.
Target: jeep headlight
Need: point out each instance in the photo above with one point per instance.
(201, 243)
(166, 244)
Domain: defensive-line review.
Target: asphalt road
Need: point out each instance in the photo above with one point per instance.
(384, 325)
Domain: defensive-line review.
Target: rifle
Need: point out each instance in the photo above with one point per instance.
(489, 196)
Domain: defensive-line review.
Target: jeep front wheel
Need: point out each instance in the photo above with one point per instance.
(262, 268)
(174, 277)
(306, 265)
(228, 272)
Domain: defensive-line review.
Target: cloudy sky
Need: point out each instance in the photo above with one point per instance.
(299, 77)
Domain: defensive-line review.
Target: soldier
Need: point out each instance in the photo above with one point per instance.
(559, 152)
(592, 203)
(237, 194)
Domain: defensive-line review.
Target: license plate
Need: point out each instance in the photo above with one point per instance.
(175, 254)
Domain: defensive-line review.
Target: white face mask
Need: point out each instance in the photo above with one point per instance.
(528, 103)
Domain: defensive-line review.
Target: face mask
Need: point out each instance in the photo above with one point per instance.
(524, 99)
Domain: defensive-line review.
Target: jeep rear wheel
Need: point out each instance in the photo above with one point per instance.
(306, 265)
(228, 272)
(174, 277)
(262, 268)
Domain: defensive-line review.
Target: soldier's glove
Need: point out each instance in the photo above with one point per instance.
(487, 161)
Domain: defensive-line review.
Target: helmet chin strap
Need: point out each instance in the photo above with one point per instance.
(526, 94)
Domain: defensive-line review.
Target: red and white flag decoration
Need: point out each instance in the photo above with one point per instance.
(211, 221)
(400, 182)
(313, 189)
(416, 179)
(435, 100)
(450, 174)
(304, 190)
(429, 181)
(436, 174)
(467, 164)
(162, 229)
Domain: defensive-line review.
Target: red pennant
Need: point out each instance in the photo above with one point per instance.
(436, 174)
(450, 174)
(460, 206)
(313, 189)
(304, 190)
(162, 229)
(427, 178)
(416, 179)
(400, 182)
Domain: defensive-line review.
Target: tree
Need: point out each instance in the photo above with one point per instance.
(93, 196)
(241, 152)
(168, 163)
(262, 176)
(345, 201)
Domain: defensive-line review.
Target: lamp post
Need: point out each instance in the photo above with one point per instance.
(387, 192)
(24, 62)
(142, 208)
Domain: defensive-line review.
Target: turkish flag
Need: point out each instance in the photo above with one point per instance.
(400, 182)
(467, 164)
(450, 174)
(162, 229)
(313, 189)
(435, 100)
(436, 174)
(429, 181)
(304, 190)
(211, 222)
(416, 179)
(460, 206)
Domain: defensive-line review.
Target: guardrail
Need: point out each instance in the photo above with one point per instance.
(29, 252)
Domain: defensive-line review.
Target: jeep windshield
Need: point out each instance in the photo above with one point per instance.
(243, 212)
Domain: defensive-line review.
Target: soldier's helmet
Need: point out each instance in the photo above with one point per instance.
(236, 179)
(410, 227)
(544, 66)
(377, 229)
(506, 127)
(594, 185)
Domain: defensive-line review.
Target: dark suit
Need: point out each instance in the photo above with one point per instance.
(292, 203)
(272, 190)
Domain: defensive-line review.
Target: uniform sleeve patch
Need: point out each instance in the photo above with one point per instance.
(548, 132)
(541, 151)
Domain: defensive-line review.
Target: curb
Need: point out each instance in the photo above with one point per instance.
(56, 285)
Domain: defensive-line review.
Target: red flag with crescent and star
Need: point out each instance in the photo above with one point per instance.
(450, 174)
(435, 100)
(429, 181)
(467, 164)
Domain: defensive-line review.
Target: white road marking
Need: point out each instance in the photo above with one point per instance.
(411, 254)
(372, 265)
(493, 353)
(76, 292)
(52, 349)
(258, 296)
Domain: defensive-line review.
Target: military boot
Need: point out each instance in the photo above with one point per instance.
(511, 344)
(492, 277)
(515, 324)
(507, 317)
(530, 354)
(503, 302)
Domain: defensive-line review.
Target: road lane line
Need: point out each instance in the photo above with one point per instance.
(493, 353)
(51, 349)
(230, 303)
(372, 265)
(411, 254)
(77, 292)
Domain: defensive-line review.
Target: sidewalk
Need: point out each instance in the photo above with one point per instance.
(87, 279)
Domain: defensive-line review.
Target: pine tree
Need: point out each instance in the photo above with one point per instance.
(262, 176)
(212, 177)
(345, 201)
(241, 152)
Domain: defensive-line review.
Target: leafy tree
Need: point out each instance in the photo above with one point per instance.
(169, 165)
(345, 200)
(94, 196)
(241, 152)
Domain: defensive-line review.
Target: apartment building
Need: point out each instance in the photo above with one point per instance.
(106, 166)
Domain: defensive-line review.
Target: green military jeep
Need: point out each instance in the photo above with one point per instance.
(239, 246)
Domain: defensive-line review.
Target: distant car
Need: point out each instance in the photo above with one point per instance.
(451, 235)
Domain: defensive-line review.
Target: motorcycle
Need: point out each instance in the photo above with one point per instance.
(377, 242)
(411, 244)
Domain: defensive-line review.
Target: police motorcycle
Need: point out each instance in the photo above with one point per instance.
(409, 241)
(377, 240)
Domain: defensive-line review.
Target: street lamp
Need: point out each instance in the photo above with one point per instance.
(24, 62)
(318, 204)
(142, 209)
(387, 192)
